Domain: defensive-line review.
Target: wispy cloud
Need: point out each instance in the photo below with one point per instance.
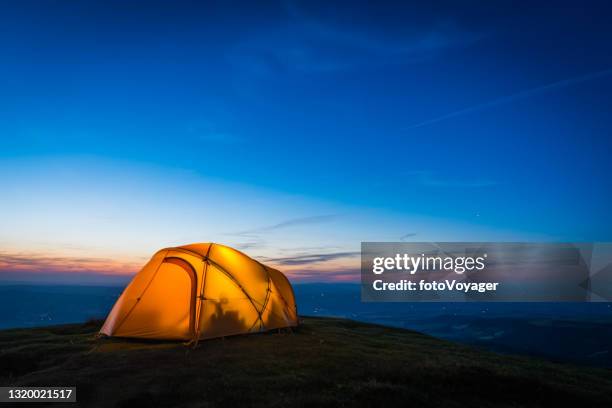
(408, 235)
(312, 43)
(515, 97)
(294, 222)
(42, 263)
(308, 249)
(332, 275)
(249, 245)
(312, 258)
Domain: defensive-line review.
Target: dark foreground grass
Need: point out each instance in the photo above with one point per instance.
(325, 362)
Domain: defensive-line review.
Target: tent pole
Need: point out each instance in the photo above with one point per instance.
(201, 298)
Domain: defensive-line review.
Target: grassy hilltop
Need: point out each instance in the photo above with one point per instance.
(325, 362)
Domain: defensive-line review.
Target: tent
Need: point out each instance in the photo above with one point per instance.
(202, 291)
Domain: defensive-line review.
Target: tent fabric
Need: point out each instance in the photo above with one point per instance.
(202, 291)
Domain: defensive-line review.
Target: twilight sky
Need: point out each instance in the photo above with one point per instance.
(294, 131)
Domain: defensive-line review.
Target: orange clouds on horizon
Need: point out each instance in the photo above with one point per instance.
(312, 268)
(28, 262)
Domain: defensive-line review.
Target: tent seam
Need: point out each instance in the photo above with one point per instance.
(141, 294)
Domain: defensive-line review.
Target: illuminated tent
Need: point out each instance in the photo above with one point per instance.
(201, 291)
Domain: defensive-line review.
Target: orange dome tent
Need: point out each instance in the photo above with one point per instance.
(201, 291)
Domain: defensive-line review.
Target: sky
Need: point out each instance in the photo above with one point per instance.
(296, 130)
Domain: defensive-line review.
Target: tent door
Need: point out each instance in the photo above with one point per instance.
(186, 266)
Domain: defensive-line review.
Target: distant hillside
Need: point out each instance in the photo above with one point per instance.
(560, 332)
(325, 362)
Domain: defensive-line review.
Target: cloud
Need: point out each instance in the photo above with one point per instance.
(249, 245)
(317, 219)
(525, 94)
(294, 250)
(50, 264)
(408, 235)
(315, 43)
(333, 275)
(311, 258)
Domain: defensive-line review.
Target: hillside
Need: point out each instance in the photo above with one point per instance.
(324, 362)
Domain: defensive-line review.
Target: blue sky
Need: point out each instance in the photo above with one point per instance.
(305, 128)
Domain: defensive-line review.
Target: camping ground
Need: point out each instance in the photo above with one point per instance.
(324, 362)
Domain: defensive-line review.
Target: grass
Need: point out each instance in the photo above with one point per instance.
(325, 362)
